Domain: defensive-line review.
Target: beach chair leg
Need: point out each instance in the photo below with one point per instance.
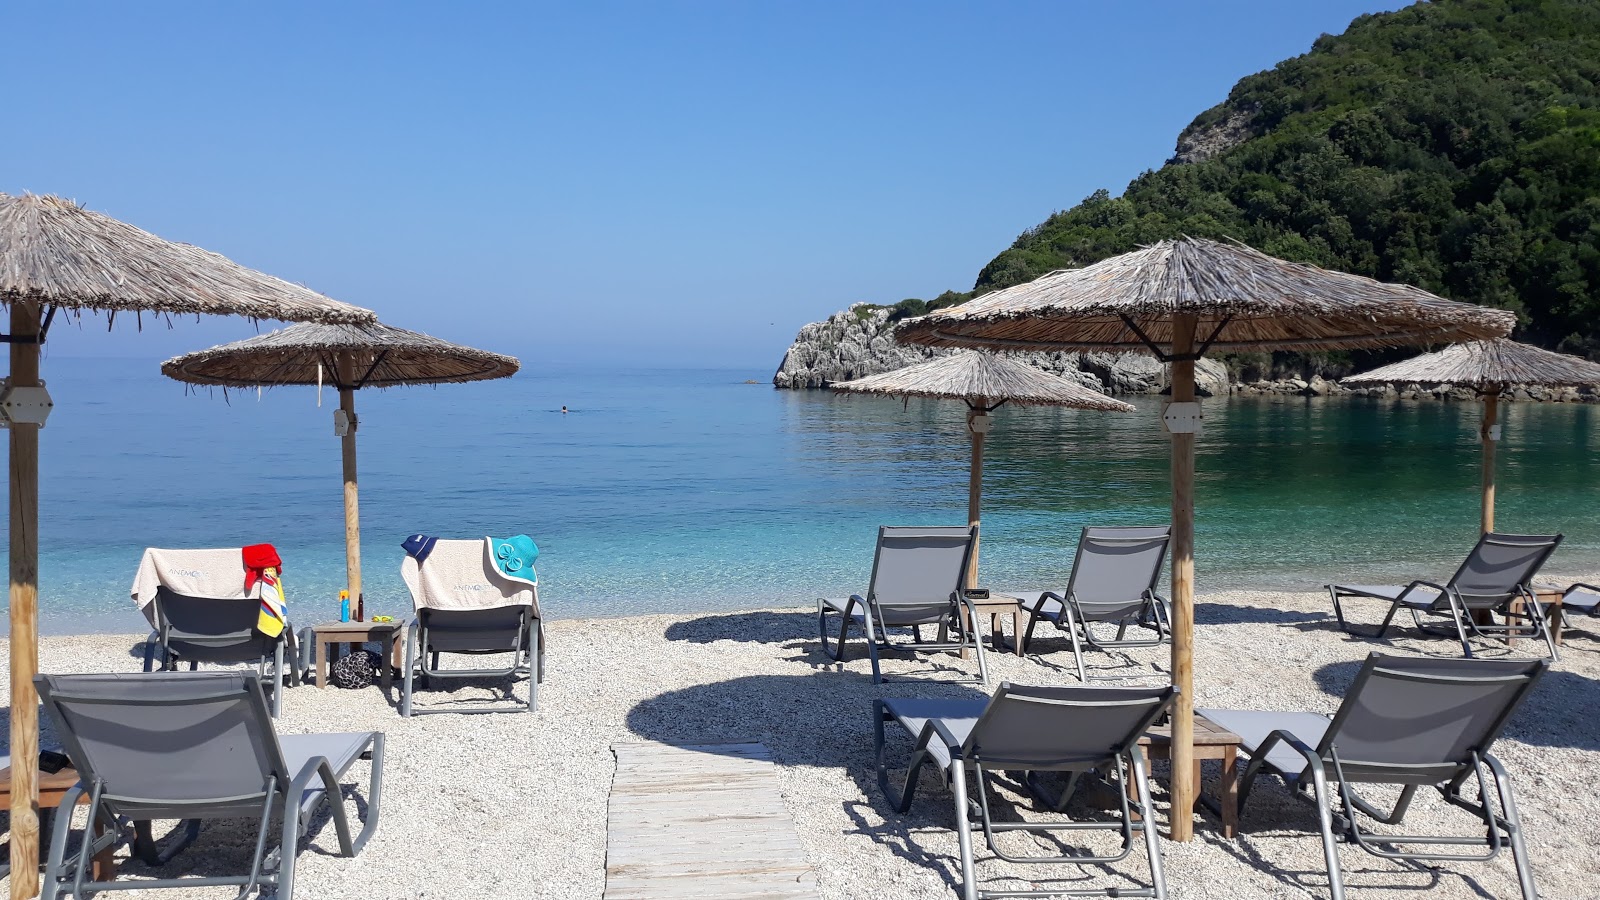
(1077, 645)
(872, 654)
(277, 681)
(958, 787)
(533, 670)
(1152, 843)
(150, 644)
(1330, 846)
(1456, 616)
(51, 885)
(1338, 609)
(1513, 824)
(410, 669)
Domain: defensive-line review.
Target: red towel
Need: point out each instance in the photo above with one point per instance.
(258, 557)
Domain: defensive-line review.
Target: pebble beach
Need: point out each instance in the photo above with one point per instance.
(515, 805)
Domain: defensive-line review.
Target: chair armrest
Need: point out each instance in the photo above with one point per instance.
(1580, 586)
(1444, 592)
(936, 729)
(1284, 736)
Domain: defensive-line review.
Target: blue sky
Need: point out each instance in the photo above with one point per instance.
(666, 183)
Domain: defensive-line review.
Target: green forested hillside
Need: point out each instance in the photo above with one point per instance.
(1454, 145)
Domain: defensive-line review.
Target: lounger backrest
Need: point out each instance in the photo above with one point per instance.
(496, 630)
(1064, 728)
(1417, 720)
(211, 630)
(168, 745)
(1117, 566)
(1498, 565)
(918, 568)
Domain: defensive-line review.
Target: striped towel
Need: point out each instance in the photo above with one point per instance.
(274, 609)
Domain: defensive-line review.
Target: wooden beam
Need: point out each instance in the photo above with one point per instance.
(1491, 412)
(24, 563)
(1184, 788)
(974, 493)
(352, 505)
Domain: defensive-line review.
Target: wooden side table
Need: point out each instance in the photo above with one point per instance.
(52, 787)
(1211, 741)
(996, 606)
(388, 634)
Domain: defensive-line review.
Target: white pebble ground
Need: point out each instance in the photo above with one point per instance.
(514, 805)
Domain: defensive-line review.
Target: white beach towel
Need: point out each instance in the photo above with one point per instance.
(194, 573)
(460, 575)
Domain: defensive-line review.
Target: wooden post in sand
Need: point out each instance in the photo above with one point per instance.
(352, 506)
(975, 487)
(24, 562)
(1183, 774)
(1491, 413)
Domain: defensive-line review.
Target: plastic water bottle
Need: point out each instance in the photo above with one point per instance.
(344, 606)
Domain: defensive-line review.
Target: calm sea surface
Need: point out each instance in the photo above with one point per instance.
(688, 490)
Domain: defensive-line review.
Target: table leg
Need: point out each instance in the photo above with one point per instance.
(102, 868)
(1016, 632)
(1552, 618)
(323, 648)
(1229, 792)
(385, 672)
(1132, 790)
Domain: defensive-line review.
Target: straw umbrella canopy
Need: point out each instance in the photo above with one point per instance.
(349, 357)
(985, 382)
(55, 256)
(1178, 299)
(1488, 367)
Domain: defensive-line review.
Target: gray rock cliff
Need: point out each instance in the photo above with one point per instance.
(859, 342)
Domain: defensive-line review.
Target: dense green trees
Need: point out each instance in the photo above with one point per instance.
(1454, 145)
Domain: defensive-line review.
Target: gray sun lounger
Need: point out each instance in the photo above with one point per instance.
(1070, 730)
(918, 575)
(194, 746)
(1494, 579)
(1113, 580)
(198, 630)
(1580, 599)
(1409, 722)
(473, 632)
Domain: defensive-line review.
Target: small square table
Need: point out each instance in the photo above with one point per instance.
(386, 633)
(996, 606)
(52, 787)
(1211, 741)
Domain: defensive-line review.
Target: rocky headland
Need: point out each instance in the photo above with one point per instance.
(860, 341)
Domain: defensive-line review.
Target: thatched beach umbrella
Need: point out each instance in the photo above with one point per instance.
(1490, 368)
(55, 256)
(985, 382)
(1177, 300)
(348, 357)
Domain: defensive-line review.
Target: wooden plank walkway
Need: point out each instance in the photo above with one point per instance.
(701, 821)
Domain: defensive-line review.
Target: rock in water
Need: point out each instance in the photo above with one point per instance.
(860, 342)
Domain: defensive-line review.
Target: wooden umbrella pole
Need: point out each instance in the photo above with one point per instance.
(974, 490)
(24, 562)
(352, 506)
(1491, 411)
(1183, 767)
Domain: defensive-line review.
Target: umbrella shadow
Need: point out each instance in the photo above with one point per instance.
(1228, 614)
(1554, 714)
(824, 720)
(762, 627)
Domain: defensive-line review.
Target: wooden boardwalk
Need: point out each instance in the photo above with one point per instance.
(701, 821)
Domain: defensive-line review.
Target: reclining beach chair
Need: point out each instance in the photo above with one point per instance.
(194, 746)
(1113, 580)
(917, 578)
(1071, 730)
(465, 605)
(1494, 579)
(1580, 599)
(201, 613)
(1410, 722)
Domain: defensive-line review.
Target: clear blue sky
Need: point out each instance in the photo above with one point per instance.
(677, 183)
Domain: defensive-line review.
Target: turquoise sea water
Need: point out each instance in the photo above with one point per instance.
(688, 490)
